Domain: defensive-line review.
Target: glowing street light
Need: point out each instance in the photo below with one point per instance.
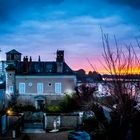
(9, 112)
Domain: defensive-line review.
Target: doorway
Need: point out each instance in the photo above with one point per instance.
(40, 104)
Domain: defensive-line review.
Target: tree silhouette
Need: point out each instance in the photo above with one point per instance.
(123, 65)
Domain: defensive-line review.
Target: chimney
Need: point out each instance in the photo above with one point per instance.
(60, 61)
(30, 59)
(26, 58)
(25, 65)
(60, 56)
(30, 65)
(39, 59)
(23, 59)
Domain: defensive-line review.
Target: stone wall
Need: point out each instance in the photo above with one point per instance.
(50, 121)
(67, 83)
(63, 121)
(69, 122)
(30, 99)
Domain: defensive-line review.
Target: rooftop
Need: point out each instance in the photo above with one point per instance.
(13, 52)
(39, 68)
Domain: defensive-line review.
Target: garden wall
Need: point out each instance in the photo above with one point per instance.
(63, 121)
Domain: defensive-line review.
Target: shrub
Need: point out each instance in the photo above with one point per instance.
(22, 108)
(53, 109)
(90, 124)
(107, 101)
(69, 103)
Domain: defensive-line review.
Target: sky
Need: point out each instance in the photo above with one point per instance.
(40, 27)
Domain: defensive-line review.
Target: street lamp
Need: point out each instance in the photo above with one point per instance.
(9, 112)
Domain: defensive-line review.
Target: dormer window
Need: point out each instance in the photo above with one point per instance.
(48, 67)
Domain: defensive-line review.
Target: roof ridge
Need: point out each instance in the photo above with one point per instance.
(13, 51)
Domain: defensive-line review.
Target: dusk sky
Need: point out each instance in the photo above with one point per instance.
(40, 27)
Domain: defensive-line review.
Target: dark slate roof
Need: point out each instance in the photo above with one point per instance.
(13, 52)
(41, 68)
(10, 67)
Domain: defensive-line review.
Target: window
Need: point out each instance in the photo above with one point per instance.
(21, 87)
(48, 67)
(11, 89)
(39, 87)
(58, 88)
(30, 84)
(37, 67)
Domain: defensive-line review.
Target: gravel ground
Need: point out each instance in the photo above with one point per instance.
(45, 136)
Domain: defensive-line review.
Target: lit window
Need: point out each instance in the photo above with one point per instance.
(58, 88)
(11, 89)
(39, 87)
(21, 87)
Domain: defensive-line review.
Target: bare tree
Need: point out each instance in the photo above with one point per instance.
(123, 65)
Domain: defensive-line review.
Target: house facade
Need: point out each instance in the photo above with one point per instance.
(38, 82)
(3, 101)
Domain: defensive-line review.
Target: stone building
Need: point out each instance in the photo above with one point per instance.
(38, 82)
